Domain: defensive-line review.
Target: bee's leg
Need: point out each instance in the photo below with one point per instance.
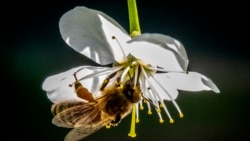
(116, 121)
(106, 80)
(82, 92)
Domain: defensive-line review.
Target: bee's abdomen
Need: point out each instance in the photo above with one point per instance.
(59, 107)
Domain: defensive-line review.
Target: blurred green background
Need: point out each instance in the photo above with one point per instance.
(214, 37)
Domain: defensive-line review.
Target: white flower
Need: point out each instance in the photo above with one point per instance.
(157, 62)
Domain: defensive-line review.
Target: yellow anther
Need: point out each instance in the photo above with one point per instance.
(149, 112)
(162, 105)
(171, 120)
(145, 100)
(105, 81)
(137, 120)
(141, 107)
(161, 120)
(181, 115)
(107, 126)
(121, 86)
(158, 110)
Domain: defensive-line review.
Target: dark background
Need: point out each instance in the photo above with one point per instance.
(216, 40)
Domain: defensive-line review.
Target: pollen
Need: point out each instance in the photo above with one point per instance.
(158, 110)
(150, 112)
(105, 81)
(107, 126)
(137, 120)
(161, 120)
(141, 107)
(162, 105)
(171, 120)
(181, 115)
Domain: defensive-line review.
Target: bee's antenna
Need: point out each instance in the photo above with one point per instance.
(75, 76)
(107, 79)
(130, 79)
(70, 85)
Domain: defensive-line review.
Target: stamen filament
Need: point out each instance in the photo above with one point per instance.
(141, 105)
(171, 120)
(124, 74)
(151, 86)
(137, 114)
(149, 108)
(160, 99)
(132, 127)
(178, 109)
(160, 117)
(164, 70)
(136, 76)
(173, 101)
(123, 52)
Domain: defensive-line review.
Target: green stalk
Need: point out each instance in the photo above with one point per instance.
(134, 26)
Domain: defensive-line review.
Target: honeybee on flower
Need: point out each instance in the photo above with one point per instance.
(146, 69)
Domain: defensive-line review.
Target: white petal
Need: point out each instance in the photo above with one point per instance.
(90, 32)
(57, 86)
(192, 81)
(116, 39)
(159, 50)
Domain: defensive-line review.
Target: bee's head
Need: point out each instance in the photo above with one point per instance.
(132, 93)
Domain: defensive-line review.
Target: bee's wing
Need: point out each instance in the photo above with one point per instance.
(79, 133)
(77, 115)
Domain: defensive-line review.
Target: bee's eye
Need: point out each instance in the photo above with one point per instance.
(129, 92)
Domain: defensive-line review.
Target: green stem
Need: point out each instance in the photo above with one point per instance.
(134, 26)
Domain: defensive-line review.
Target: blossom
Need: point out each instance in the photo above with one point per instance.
(156, 62)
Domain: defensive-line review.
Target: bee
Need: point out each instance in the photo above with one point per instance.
(114, 103)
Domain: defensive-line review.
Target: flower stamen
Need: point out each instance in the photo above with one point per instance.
(149, 108)
(124, 74)
(136, 74)
(173, 101)
(160, 116)
(107, 79)
(137, 114)
(164, 70)
(171, 120)
(181, 115)
(141, 105)
(119, 44)
(108, 126)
